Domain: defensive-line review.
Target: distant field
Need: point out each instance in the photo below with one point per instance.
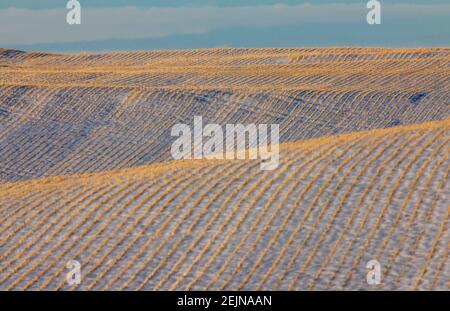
(86, 171)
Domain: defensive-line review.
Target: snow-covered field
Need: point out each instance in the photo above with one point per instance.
(86, 172)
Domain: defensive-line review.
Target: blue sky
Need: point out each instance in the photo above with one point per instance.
(182, 24)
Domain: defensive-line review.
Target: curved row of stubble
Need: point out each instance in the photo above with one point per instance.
(333, 204)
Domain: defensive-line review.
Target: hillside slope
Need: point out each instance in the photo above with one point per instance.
(67, 114)
(334, 204)
(86, 172)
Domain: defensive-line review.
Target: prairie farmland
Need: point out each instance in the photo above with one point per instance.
(86, 171)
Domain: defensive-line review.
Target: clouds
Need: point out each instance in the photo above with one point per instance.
(27, 27)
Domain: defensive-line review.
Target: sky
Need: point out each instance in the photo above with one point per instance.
(109, 25)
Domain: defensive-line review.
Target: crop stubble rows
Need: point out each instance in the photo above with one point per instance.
(85, 170)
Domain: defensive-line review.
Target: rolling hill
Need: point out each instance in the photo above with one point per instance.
(86, 171)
